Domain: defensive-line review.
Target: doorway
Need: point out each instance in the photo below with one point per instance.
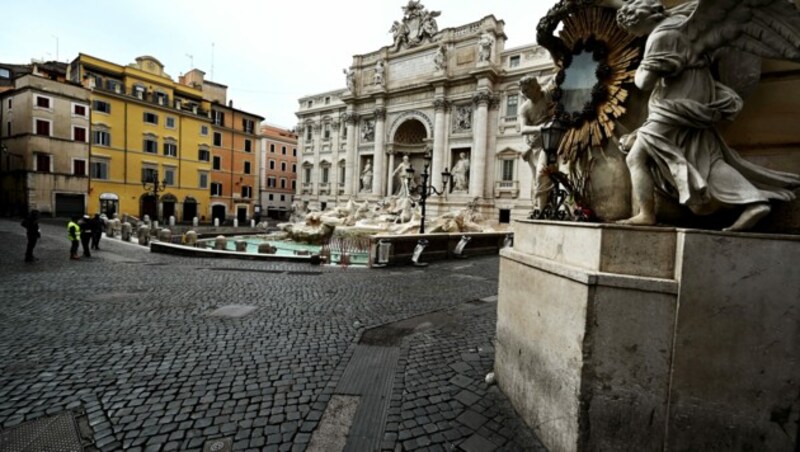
(241, 214)
(218, 211)
(168, 206)
(505, 216)
(69, 205)
(189, 209)
(149, 207)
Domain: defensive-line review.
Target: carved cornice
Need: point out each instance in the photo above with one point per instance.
(349, 118)
(441, 105)
(482, 98)
(380, 113)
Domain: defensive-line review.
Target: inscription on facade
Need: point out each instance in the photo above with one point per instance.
(406, 68)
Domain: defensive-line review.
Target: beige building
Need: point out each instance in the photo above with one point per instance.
(452, 94)
(44, 143)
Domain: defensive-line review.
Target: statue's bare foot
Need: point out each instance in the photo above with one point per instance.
(750, 217)
(639, 219)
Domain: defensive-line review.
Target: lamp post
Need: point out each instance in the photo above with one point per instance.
(552, 133)
(424, 190)
(153, 185)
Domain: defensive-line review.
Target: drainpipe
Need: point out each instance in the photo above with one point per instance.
(89, 167)
(234, 212)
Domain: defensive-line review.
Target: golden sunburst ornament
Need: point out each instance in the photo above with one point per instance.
(589, 39)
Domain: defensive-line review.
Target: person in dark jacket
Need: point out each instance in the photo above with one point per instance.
(73, 234)
(98, 225)
(86, 234)
(31, 225)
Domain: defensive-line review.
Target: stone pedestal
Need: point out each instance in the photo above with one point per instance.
(220, 243)
(622, 338)
(165, 235)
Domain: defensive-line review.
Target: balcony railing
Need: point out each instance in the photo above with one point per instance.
(506, 188)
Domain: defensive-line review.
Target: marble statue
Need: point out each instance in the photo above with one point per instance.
(677, 150)
(366, 177)
(379, 70)
(418, 26)
(350, 78)
(406, 183)
(463, 119)
(533, 113)
(399, 31)
(459, 171)
(429, 25)
(485, 44)
(368, 131)
(392, 215)
(440, 59)
(298, 212)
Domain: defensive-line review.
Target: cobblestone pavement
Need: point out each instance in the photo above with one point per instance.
(126, 339)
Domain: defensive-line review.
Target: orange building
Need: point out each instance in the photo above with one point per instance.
(278, 172)
(234, 152)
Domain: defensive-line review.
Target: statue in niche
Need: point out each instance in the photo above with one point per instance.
(366, 177)
(350, 78)
(440, 59)
(406, 181)
(677, 150)
(418, 26)
(533, 113)
(485, 44)
(379, 69)
(368, 131)
(463, 119)
(460, 173)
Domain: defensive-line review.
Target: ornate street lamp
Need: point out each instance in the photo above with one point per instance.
(552, 133)
(424, 190)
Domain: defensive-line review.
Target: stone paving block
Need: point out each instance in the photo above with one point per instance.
(477, 443)
(472, 419)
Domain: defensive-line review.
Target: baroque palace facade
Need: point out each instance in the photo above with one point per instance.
(440, 96)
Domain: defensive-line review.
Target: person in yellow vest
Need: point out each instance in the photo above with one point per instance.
(74, 236)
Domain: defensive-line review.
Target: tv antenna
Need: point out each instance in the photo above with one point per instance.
(191, 60)
(212, 61)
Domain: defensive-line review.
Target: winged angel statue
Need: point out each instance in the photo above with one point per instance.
(677, 150)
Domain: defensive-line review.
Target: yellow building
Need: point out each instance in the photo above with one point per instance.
(150, 141)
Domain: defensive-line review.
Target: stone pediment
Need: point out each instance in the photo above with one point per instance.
(150, 65)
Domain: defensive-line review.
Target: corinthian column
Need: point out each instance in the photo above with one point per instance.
(440, 107)
(318, 173)
(380, 152)
(350, 119)
(477, 161)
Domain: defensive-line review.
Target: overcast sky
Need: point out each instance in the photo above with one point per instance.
(269, 53)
